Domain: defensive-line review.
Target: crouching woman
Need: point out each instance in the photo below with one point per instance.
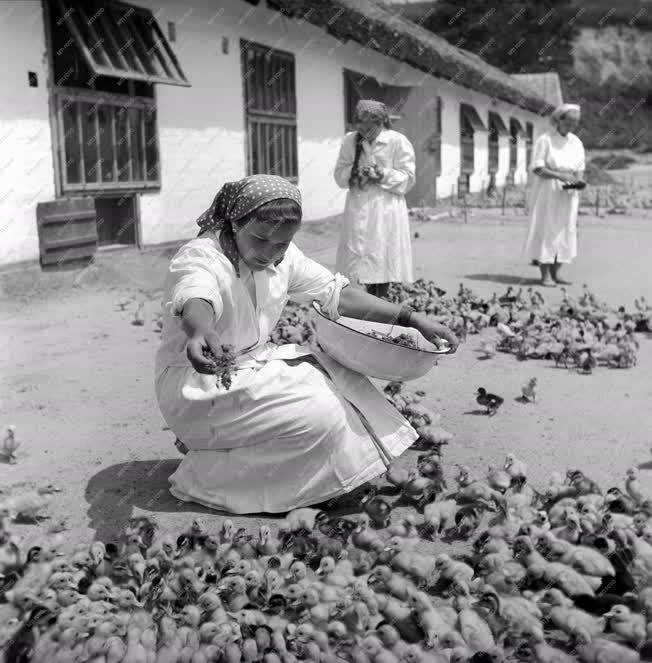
(285, 434)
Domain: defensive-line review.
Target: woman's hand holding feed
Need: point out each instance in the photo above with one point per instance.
(197, 323)
(437, 334)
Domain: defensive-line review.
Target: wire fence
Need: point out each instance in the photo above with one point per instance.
(621, 197)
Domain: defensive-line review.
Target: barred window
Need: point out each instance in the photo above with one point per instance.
(497, 129)
(470, 122)
(515, 130)
(270, 110)
(108, 141)
(529, 141)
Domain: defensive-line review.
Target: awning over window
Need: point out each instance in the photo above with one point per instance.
(497, 122)
(360, 86)
(120, 40)
(516, 126)
(471, 116)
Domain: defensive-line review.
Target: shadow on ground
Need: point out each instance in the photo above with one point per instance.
(113, 493)
(505, 279)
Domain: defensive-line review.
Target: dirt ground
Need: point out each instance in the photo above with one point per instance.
(76, 377)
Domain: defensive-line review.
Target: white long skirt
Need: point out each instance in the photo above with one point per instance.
(283, 437)
(552, 235)
(375, 244)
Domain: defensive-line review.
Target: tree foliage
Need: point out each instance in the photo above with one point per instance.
(514, 35)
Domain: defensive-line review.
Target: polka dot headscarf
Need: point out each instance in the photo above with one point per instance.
(375, 109)
(235, 200)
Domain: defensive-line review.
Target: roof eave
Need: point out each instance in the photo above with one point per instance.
(377, 28)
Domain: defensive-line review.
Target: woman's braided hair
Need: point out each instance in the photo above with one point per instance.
(354, 179)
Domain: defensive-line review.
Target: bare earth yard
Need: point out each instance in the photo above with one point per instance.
(76, 375)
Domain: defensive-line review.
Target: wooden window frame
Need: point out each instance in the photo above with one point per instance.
(108, 102)
(122, 41)
(266, 118)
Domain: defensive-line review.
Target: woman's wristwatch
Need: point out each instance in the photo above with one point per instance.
(404, 315)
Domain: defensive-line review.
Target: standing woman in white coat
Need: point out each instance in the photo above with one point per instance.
(376, 165)
(558, 161)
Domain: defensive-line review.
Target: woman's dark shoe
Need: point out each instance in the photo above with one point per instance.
(181, 447)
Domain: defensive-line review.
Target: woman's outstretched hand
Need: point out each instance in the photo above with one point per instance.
(195, 352)
(435, 333)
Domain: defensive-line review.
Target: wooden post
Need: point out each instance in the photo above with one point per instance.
(466, 218)
(504, 195)
(597, 201)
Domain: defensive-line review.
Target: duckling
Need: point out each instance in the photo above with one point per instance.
(340, 576)
(396, 476)
(378, 509)
(475, 631)
(514, 467)
(432, 623)
(633, 486)
(375, 649)
(406, 528)
(383, 579)
(440, 516)
(498, 479)
(628, 625)
(416, 486)
(10, 444)
(409, 562)
(139, 315)
(302, 519)
(391, 639)
(544, 652)
(489, 401)
(450, 570)
(529, 390)
(591, 649)
(487, 349)
(463, 476)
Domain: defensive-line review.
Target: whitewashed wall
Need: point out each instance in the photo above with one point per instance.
(26, 162)
(201, 128)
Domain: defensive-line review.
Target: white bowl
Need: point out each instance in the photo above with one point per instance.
(347, 341)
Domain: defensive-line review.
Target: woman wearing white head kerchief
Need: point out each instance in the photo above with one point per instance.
(558, 161)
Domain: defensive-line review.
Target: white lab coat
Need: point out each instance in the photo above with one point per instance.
(553, 211)
(375, 242)
(283, 436)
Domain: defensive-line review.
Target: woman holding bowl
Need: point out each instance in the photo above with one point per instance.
(558, 163)
(284, 434)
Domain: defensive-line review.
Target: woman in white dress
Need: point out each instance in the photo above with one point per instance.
(558, 160)
(376, 165)
(285, 434)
